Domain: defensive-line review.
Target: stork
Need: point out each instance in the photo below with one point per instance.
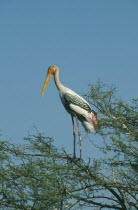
(75, 105)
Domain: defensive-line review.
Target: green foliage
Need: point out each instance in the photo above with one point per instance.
(37, 176)
(33, 181)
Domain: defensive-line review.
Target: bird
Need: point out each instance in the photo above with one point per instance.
(75, 105)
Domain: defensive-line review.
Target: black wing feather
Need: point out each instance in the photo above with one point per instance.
(74, 99)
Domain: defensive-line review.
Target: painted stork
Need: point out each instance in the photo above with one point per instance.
(75, 105)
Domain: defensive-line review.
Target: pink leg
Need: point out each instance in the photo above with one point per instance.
(79, 134)
(74, 134)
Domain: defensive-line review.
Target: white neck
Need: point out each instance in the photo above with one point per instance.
(57, 81)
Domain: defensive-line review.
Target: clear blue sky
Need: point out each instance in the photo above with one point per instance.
(87, 40)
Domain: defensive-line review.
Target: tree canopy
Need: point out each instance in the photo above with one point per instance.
(36, 175)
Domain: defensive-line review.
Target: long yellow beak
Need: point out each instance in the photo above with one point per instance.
(48, 77)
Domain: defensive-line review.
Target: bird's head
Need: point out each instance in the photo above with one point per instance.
(51, 71)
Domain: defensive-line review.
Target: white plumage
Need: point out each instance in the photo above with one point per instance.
(75, 105)
(86, 117)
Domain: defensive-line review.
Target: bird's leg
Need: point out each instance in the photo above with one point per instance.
(79, 134)
(74, 134)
